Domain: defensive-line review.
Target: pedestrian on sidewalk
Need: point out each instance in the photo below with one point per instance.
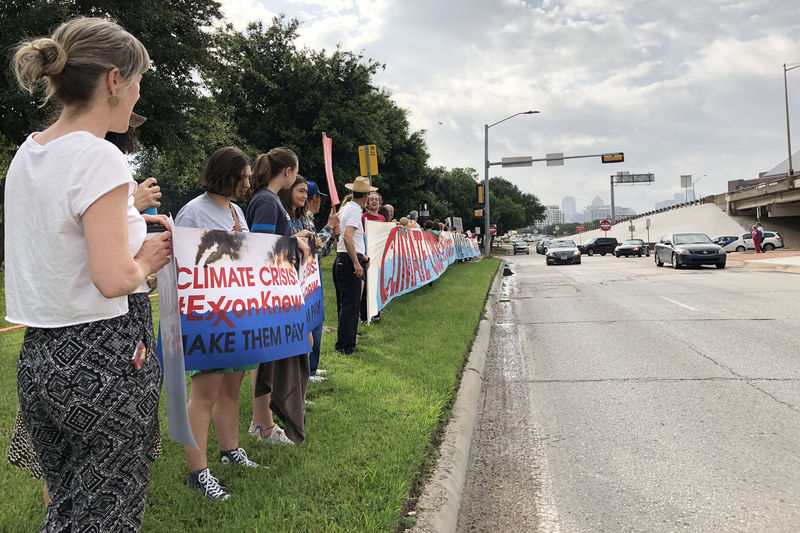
(756, 240)
(760, 236)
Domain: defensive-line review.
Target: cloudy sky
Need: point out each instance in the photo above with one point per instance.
(681, 86)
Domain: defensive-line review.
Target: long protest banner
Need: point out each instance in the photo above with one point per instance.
(244, 298)
(403, 259)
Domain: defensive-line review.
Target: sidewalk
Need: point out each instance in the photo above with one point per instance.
(781, 260)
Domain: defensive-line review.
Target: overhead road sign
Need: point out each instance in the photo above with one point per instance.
(626, 177)
(555, 159)
(516, 162)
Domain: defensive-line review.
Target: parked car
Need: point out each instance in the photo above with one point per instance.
(521, 247)
(740, 243)
(562, 251)
(633, 247)
(541, 244)
(599, 245)
(725, 240)
(684, 249)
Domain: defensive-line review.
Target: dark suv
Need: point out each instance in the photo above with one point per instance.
(599, 245)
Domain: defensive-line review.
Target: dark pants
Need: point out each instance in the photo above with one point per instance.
(92, 418)
(348, 301)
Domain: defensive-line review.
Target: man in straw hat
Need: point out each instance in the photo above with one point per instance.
(351, 262)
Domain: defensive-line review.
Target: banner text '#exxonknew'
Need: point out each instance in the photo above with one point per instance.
(210, 277)
(192, 307)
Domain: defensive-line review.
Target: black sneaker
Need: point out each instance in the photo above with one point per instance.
(237, 457)
(209, 485)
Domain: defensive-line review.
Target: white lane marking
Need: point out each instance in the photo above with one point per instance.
(678, 303)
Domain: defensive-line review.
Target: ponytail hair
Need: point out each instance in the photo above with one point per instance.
(70, 62)
(268, 166)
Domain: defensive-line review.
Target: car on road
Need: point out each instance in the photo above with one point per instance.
(599, 245)
(562, 251)
(686, 249)
(521, 247)
(635, 247)
(740, 243)
(541, 244)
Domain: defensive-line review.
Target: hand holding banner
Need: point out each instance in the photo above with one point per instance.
(327, 152)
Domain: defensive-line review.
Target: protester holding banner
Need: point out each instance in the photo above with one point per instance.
(374, 201)
(278, 385)
(75, 253)
(225, 178)
(351, 260)
(298, 202)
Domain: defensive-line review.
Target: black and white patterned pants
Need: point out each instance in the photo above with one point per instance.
(92, 418)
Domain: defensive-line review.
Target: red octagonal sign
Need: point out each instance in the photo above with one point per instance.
(605, 225)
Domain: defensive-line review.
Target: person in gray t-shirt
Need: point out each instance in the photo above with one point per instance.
(225, 178)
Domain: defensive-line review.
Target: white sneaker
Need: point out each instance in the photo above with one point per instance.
(252, 429)
(316, 379)
(278, 436)
(321, 372)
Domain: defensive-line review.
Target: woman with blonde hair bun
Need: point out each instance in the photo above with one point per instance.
(76, 263)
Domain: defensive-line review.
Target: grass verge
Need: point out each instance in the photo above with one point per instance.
(371, 430)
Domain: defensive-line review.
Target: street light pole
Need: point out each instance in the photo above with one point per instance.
(487, 238)
(694, 196)
(786, 99)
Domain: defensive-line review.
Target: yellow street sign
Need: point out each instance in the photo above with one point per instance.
(479, 212)
(369, 165)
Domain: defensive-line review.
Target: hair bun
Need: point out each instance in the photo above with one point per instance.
(53, 56)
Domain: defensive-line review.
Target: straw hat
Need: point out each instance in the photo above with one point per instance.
(360, 184)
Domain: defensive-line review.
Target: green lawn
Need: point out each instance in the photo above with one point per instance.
(369, 433)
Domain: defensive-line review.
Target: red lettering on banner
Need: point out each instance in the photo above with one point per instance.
(183, 270)
(194, 307)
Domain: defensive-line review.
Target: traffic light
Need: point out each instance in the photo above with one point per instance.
(479, 195)
(479, 212)
(613, 158)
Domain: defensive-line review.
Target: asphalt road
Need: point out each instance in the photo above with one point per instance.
(619, 396)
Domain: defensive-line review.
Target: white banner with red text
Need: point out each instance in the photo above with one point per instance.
(403, 259)
(243, 298)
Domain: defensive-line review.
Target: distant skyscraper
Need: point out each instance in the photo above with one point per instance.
(598, 202)
(568, 206)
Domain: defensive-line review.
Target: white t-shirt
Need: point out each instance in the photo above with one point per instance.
(350, 215)
(48, 189)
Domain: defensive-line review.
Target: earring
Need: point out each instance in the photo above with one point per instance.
(113, 101)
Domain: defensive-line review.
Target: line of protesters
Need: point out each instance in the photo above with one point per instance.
(79, 269)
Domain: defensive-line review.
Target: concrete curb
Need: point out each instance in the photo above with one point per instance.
(438, 506)
(767, 265)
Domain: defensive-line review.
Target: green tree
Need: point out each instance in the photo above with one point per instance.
(511, 208)
(171, 31)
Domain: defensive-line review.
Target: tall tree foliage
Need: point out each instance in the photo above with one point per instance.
(173, 33)
(279, 95)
